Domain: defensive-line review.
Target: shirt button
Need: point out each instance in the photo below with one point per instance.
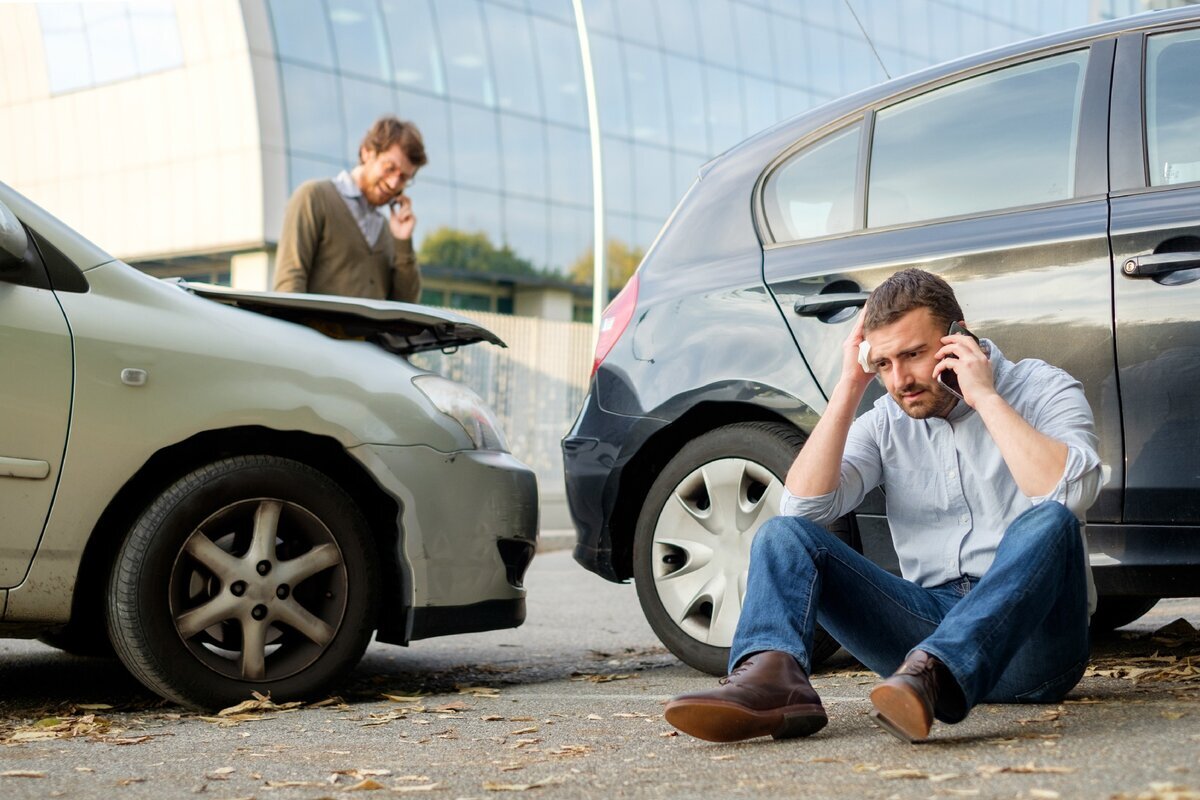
(965, 518)
(951, 474)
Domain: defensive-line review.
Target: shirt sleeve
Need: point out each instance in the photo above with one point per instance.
(406, 275)
(1064, 415)
(861, 471)
(297, 242)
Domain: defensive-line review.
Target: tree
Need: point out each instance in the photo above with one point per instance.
(622, 261)
(473, 252)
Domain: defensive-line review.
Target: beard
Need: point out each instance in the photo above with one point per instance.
(934, 402)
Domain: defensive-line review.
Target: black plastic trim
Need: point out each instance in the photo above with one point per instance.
(431, 621)
(65, 275)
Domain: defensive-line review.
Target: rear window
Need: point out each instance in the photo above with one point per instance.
(1000, 140)
(812, 193)
(1173, 108)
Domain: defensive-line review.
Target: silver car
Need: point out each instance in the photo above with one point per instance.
(233, 490)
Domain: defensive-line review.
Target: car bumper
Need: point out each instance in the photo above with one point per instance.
(468, 525)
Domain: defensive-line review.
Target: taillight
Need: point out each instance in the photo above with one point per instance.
(615, 320)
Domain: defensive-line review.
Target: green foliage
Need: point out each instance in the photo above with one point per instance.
(473, 252)
(622, 261)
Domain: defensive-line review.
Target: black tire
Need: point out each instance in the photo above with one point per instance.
(766, 445)
(182, 624)
(1114, 611)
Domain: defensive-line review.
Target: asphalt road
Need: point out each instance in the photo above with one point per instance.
(570, 706)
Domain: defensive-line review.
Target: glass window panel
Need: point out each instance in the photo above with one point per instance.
(524, 161)
(416, 57)
(647, 94)
(822, 12)
(561, 69)
(433, 205)
(1173, 108)
(302, 168)
(67, 64)
(110, 41)
(618, 175)
(155, 36)
(652, 181)
(311, 103)
(468, 75)
(553, 8)
(512, 55)
(476, 153)
(479, 212)
(716, 25)
(363, 102)
(812, 194)
(601, 16)
(432, 117)
(790, 48)
(570, 232)
(688, 121)
(680, 33)
(1001, 140)
(570, 158)
(609, 68)
(638, 22)
(525, 227)
(300, 32)
(754, 40)
(761, 108)
(725, 125)
(621, 228)
(358, 36)
(470, 301)
(433, 297)
(824, 49)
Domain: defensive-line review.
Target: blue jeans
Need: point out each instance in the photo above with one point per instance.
(1019, 633)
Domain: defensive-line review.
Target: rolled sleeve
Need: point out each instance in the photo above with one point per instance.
(1066, 417)
(861, 471)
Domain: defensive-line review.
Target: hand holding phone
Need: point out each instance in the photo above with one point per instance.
(947, 377)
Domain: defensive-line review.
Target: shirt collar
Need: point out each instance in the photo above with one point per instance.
(346, 184)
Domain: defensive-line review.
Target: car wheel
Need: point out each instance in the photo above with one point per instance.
(692, 542)
(1114, 612)
(254, 573)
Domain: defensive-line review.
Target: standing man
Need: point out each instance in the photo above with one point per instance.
(984, 497)
(334, 240)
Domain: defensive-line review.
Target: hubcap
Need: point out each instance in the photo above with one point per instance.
(259, 590)
(701, 548)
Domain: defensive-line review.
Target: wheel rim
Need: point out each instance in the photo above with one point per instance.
(258, 590)
(701, 546)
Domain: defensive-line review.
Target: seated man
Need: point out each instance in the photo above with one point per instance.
(984, 497)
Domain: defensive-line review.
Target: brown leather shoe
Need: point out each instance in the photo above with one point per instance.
(904, 703)
(766, 695)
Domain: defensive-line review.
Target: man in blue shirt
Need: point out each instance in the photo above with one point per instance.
(985, 495)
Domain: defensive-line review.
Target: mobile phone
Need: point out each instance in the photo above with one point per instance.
(946, 377)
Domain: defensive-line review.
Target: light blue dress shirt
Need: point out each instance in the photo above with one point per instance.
(950, 496)
(369, 220)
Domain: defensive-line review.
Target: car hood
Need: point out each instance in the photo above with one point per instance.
(401, 328)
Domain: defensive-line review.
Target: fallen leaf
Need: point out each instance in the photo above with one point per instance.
(294, 785)
(594, 717)
(21, 773)
(130, 781)
(479, 691)
(1044, 794)
(894, 774)
(1024, 769)
(522, 731)
(366, 785)
(1174, 714)
(453, 708)
(492, 786)
(93, 706)
(404, 698)
(669, 734)
(427, 787)
(492, 718)
(726, 757)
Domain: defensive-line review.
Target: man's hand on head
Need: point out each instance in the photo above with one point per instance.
(402, 221)
(853, 375)
(963, 355)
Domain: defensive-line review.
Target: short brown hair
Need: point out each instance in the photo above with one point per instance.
(907, 290)
(389, 131)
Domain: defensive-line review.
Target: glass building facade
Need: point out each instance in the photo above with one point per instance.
(497, 87)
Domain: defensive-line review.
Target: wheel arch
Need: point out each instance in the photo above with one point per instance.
(322, 453)
(641, 470)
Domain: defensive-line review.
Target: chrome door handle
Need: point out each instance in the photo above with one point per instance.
(1159, 264)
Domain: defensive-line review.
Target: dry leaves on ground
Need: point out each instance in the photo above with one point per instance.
(97, 729)
(1161, 791)
(1023, 769)
(493, 786)
(1180, 666)
(595, 677)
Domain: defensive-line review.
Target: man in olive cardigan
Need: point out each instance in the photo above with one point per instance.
(334, 241)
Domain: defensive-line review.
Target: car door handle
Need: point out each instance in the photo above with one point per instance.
(1159, 264)
(815, 304)
(33, 469)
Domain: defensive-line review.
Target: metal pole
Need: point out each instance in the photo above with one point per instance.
(600, 262)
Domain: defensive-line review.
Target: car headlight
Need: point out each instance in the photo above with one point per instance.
(466, 408)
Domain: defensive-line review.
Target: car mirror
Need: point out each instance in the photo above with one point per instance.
(13, 239)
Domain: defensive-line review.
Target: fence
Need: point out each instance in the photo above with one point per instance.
(536, 387)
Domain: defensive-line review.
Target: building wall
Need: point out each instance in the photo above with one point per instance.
(146, 159)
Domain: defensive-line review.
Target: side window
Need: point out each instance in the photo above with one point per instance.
(812, 193)
(1000, 140)
(1173, 107)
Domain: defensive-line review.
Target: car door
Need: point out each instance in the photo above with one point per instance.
(1155, 145)
(995, 179)
(35, 405)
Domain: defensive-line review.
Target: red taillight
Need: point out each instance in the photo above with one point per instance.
(615, 320)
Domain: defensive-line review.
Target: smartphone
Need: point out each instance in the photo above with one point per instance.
(946, 377)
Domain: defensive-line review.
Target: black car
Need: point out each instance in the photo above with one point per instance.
(1055, 184)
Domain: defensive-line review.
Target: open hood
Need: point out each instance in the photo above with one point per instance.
(400, 328)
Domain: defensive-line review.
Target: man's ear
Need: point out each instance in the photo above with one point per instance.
(364, 153)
